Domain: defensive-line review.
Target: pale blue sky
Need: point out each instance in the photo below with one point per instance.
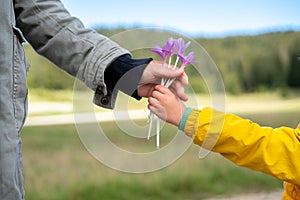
(212, 17)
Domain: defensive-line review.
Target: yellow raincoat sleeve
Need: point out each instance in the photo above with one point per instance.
(275, 151)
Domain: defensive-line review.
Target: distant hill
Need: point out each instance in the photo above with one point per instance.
(247, 63)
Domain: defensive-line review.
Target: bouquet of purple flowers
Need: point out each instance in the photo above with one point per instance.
(173, 47)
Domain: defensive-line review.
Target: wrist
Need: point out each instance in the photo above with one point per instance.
(184, 118)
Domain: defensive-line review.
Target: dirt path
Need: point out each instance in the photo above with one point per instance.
(60, 113)
(276, 195)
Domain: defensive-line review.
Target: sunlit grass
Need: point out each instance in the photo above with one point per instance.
(57, 166)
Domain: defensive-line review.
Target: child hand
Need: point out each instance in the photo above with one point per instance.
(166, 105)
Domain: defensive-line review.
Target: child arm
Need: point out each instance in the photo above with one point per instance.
(274, 151)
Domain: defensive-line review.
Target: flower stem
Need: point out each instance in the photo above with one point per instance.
(162, 81)
(170, 81)
(150, 125)
(170, 60)
(176, 62)
(157, 131)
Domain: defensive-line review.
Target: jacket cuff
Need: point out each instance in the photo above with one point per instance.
(92, 72)
(191, 125)
(105, 100)
(123, 74)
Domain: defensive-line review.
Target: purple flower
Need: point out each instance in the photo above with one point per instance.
(180, 47)
(173, 46)
(163, 54)
(169, 46)
(185, 60)
(166, 50)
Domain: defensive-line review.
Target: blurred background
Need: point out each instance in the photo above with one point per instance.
(256, 47)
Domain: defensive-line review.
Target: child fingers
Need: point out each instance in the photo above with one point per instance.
(157, 94)
(153, 109)
(153, 101)
(158, 110)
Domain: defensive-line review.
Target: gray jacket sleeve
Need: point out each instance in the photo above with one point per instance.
(63, 39)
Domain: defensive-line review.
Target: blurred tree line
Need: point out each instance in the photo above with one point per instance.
(247, 63)
(256, 63)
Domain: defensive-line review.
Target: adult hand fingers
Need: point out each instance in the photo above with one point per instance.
(168, 72)
(178, 89)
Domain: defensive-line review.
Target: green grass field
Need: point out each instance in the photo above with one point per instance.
(58, 167)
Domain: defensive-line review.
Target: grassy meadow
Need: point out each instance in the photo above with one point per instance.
(58, 167)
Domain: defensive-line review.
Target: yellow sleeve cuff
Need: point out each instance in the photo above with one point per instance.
(191, 124)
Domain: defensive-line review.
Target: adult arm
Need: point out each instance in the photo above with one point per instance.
(63, 39)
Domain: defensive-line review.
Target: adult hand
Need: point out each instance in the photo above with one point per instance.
(152, 76)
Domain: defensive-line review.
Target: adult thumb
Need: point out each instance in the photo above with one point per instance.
(170, 73)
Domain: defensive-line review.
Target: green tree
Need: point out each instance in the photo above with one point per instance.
(294, 66)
